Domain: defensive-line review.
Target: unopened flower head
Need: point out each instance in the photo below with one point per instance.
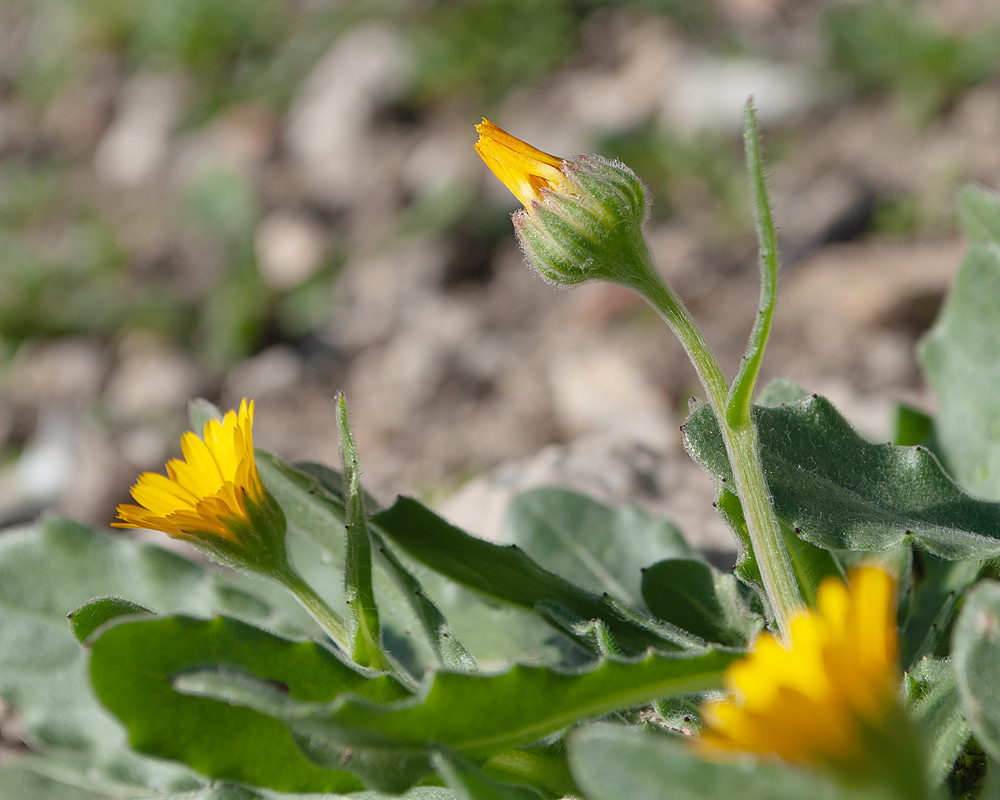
(214, 497)
(582, 217)
(818, 699)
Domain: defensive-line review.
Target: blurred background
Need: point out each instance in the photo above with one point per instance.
(279, 199)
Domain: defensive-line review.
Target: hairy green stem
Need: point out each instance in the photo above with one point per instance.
(325, 617)
(741, 446)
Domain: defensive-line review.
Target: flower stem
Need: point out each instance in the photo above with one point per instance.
(325, 617)
(742, 448)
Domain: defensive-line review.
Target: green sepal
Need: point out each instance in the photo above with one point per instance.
(590, 231)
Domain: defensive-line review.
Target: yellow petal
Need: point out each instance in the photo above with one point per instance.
(523, 169)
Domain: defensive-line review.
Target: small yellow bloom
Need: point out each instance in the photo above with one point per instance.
(523, 169)
(814, 701)
(207, 491)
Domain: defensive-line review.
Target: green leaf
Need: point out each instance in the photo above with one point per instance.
(911, 426)
(809, 563)
(132, 666)
(475, 715)
(961, 359)
(938, 587)
(991, 788)
(413, 626)
(18, 782)
(88, 618)
(738, 406)
(598, 548)
(359, 593)
(200, 412)
(976, 648)
(697, 598)
(979, 212)
(935, 704)
(611, 763)
(781, 391)
(45, 572)
(232, 791)
(841, 492)
(469, 783)
(503, 572)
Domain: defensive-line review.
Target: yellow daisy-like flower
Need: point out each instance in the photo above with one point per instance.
(207, 491)
(523, 169)
(816, 700)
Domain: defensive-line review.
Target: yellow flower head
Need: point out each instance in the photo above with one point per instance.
(207, 491)
(523, 169)
(810, 702)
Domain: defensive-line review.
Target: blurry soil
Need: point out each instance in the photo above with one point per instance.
(467, 377)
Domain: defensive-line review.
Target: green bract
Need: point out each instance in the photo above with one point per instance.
(591, 230)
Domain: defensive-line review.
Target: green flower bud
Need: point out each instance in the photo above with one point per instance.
(582, 218)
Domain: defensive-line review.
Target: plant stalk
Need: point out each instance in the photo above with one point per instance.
(742, 447)
(325, 617)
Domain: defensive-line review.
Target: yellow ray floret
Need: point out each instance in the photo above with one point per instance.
(523, 169)
(204, 489)
(807, 702)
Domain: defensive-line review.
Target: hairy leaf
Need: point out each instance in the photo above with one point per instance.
(132, 666)
(611, 763)
(598, 548)
(841, 492)
(961, 359)
(976, 648)
(696, 597)
(503, 572)
(475, 715)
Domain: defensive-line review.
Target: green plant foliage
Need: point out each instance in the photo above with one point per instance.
(358, 590)
(979, 212)
(476, 715)
(17, 781)
(654, 761)
(931, 603)
(976, 650)
(469, 783)
(88, 618)
(844, 493)
(429, 620)
(45, 572)
(132, 666)
(598, 548)
(933, 700)
(504, 572)
(911, 426)
(961, 359)
(740, 401)
(696, 597)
